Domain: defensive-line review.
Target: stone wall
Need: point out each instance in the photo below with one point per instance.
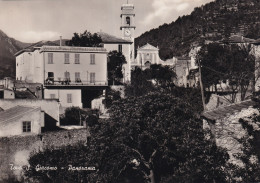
(228, 130)
(16, 150)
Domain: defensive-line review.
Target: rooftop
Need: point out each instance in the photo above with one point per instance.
(222, 112)
(72, 49)
(148, 46)
(15, 112)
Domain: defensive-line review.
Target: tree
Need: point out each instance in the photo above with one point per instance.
(162, 75)
(75, 116)
(231, 64)
(140, 83)
(114, 66)
(85, 40)
(153, 138)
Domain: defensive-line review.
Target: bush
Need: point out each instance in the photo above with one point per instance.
(73, 115)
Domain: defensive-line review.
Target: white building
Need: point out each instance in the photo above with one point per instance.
(70, 74)
(111, 43)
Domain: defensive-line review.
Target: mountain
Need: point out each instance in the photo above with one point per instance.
(214, 21)
(8, 47)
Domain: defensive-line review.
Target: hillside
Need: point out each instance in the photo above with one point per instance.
(8, 46)
(213, 21)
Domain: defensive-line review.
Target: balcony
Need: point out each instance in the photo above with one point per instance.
(68, 83)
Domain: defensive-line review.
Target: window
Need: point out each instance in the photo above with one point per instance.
(77, 77)
(120, 48)
(26, 126)
(69, 98)
(50, 58)
(66, 58)
(77, 58)
(50, 75)
(92, 77)
(92, 59)
(127, 20)
(52, 96)
(67, 75)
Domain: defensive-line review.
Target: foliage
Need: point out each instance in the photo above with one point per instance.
(61, 158)
(162, 75)
(86, 39)
(204, 23)
(112, 95)
(114, 66)
(251, 149)
(140, 83)
(232, 64)
(151, 138)
(74, 116)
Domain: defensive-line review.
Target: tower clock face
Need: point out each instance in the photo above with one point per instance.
(127, 32)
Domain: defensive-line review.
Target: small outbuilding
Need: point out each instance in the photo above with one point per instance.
(21, 120)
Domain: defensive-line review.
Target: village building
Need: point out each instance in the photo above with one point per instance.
(74, 75)
(22, 120)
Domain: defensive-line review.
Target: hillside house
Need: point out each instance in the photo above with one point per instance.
(74, 75)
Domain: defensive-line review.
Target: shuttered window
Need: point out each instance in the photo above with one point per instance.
(77, 58)
(92, 77)
(50, 58)
(92, 59)
(66, 58)
(69, 98)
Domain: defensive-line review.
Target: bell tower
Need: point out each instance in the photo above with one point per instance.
(128, 26)
(127, 21)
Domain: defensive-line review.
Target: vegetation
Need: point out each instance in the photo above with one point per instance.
(114, 66)
(153, 138)
(86, 39)
(144, 81)
(76, 116)
(213, 21)
(232, 64)
(251, 149)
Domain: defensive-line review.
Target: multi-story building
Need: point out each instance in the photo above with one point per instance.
(74, 75)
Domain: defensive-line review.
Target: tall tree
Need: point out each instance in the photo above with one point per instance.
(163, 75)
(231, 64)
(153, 138)
(86, 39)
(140, 83)
(114, 66)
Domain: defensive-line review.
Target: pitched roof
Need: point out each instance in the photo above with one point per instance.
(107, 38)
(24, 94)
(148, 46)
(15, 112)
(38, 44)
(222, 112)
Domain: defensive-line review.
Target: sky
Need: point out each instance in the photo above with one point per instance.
(35, 20)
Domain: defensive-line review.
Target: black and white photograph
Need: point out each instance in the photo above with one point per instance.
(129, 91)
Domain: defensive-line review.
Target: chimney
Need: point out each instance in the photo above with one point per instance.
(60, 40)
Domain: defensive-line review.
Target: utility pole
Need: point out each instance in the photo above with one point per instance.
(201, 87)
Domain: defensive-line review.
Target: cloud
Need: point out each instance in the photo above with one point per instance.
(182, 7)
(32, 36)
(163, 9)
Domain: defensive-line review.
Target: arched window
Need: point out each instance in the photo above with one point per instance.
(127, 20)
